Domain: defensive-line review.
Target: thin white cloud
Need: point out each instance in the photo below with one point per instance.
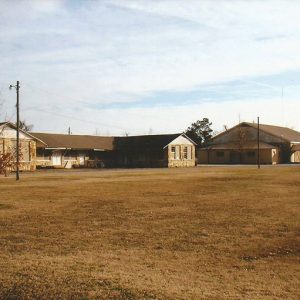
(122, 51)
(162, 119)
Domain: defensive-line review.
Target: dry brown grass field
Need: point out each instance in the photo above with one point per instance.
(199, 233)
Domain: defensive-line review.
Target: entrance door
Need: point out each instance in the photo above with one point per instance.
(56, 159)
(234, 157)
(81, 159)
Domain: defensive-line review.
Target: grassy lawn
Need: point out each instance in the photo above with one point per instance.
(200, 233)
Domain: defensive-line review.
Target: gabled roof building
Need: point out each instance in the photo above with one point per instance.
(239, 145)
(165, 150)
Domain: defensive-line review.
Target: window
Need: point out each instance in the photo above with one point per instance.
(177, 156)
(185, 152)
(220, 154)
(25, 151)
(189, 152)
(251, 153)
(173, 152)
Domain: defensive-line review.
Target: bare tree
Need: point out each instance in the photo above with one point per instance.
(242, 139)
(6, 163)
(8, 160)
(8, 156)
(25, 127)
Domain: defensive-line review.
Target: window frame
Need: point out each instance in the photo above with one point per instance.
(220, 154)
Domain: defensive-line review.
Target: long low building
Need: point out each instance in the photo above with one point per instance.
(239, 145)
(67, 151)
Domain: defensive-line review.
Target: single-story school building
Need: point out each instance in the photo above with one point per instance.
(239, 145)
(67, 151)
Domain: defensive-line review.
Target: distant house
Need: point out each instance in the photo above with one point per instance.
(8, 142)
(67, 151)
(239, 145)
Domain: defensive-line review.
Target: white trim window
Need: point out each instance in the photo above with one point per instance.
(189, 155)
(175, 152)
(185, 152)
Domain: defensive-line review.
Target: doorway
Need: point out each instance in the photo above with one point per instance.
(56, 159)
(234, 157)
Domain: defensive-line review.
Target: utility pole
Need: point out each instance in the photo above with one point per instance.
(258, 158)
(69, 130)
(282, 107)
(17, 87)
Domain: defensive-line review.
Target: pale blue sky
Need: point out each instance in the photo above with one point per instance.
(150, 66)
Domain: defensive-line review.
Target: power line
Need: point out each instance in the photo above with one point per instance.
(75, 118)
(70, 117)
(33, 88)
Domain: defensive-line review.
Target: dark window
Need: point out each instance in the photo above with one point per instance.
(251, 153)
(220, 154)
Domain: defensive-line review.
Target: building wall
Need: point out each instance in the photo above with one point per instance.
(267, 156)
(66, 158)
(202, 156)
(295, 157)
(183, 156)
(142, 159)
(27, 152)
(43, 157)
(10, 133)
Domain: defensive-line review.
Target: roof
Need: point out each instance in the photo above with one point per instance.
(11, 125)
(250, 145)
(54, 140)
(137, 143)
(296, 147)
(286, 134)
(132, 143)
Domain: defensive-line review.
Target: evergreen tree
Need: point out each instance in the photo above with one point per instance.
(200, 131)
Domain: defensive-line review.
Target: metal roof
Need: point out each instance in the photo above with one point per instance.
(249, 145)
(284, 133)
(54, 140)
(13, 126)
(130, 143)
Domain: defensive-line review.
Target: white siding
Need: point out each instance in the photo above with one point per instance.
(10, 133)
(181, 140)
